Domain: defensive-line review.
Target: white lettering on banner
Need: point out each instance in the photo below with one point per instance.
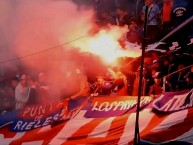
(177, 103)
(24, 125)
(145, 100)
(36, 110)
(95, 106)
(56, 117)
(167, 106)
(103, 106)
(125, 105)
(28, 125)
(48, 121)
(38, 124)
(21, 125)
(118, 105)
(17, 126)
(128, 104)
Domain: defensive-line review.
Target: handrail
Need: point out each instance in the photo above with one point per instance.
(179, 70)
(165, 77)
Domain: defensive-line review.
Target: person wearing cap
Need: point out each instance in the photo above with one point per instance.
(22, 92)
(156, 89)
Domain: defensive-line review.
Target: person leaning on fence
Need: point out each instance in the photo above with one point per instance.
(133, 81)
(156, 89)
(82, 94)
(84, 87)
(178, 78)
(189, 80)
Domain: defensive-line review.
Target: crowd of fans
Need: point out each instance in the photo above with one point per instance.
(162, 72)
(162, 17)
(22, 90)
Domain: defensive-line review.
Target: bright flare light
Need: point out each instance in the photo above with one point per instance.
(106, 45)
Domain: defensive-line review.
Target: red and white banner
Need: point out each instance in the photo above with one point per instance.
(174, 101)
(155, 128)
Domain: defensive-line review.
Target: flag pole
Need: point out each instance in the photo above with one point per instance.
(136, 7)
(136, 134)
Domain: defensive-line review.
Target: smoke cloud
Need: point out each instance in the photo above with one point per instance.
(37, 27)
(40, 33)
(28, 27)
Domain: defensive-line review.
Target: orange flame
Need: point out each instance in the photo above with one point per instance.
(106, 44)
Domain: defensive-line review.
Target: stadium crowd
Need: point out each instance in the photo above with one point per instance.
(162, 72)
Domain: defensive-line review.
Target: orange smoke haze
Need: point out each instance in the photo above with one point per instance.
(29, 27)
(36, 27)
(106, 44)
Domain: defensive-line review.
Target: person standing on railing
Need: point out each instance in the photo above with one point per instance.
(153, 22)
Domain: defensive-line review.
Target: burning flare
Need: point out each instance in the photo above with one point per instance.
(106, 44)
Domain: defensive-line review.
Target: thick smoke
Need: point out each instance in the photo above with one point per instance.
(28, 27)
(40, 33)
(6, 37)
(37, 27)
